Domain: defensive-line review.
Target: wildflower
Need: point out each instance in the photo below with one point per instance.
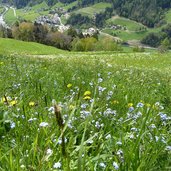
(51, 110)
(71, 107)
(115, 165)
(57, 165)
(43, 124)
(115, 102)
(157, 138)
(102, 165)
(110, 93)
(108, 137)
(84, 113)
(109, 111)
(118, 143)
(101, 89)
(168, 148)
(69, 85)
(91, 84)
(13, 102)
(97, 124)
(87, 93)
(32, 119)
(31, 104)
(130, 105)
(152, 126)
(12, 125)
(60, 140)
(131, 109)
(140, 105)
(22, 166)
(49, 151)
(3, 100)
(90, 141)
(87, 98)
(100, 80)
(84, 106)
(119, 152)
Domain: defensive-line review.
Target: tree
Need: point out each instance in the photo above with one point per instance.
(165, 44)
(25, 31)
(59, 40)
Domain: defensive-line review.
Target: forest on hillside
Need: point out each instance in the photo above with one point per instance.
(148, 12)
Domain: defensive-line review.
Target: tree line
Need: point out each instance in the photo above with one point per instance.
(72, 39)
(161, 39)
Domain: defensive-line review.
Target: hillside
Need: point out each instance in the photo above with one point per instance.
(124, 21)
(137, 10)
(10, 46)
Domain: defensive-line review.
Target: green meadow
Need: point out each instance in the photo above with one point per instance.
(94, 9)
(83, 111)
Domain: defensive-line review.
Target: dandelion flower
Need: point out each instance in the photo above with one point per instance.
(87, 98)
(87, 93)
(69, 85)
(31, 104)
(3, 100)
(130, 105)
(13, 102)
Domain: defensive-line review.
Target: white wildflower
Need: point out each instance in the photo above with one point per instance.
(43, 124)
(57, 165)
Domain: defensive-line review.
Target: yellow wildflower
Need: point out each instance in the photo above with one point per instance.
(31, 104)
(87, 98)
(130, 104)
(115, 102)
(3, 100)
(87, 93)
(13, 102)
(69, 85)
(71, 107)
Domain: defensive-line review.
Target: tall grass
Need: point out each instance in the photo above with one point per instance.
(115, 110)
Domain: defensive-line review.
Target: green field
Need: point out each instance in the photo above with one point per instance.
(9, 17)
(83, 111)
(94, 9)
(126, 35)
(11, 46)
(129, 24)
(28, 13)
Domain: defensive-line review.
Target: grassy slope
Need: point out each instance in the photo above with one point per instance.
(130, 24)
(9, 17)
(90, 11)
(27, 13)
(11, 46)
